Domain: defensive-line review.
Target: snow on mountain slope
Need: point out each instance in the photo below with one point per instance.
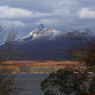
(32, 35)
(41, 31)
(38, 30)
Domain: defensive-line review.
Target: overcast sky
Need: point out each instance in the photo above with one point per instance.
(65, 15)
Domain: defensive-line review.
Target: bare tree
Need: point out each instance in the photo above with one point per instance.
(83, 46)
(83, 51)
(65, 81)
(8, 86)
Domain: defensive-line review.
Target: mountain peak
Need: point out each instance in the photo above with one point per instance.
(41, 26)
(38, 29)
(41, 31)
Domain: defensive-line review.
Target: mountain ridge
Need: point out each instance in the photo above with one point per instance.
(45, 44)
(40, 31)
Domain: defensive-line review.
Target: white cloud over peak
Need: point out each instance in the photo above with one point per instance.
(8, 12)
(86, 13)
(47, 22)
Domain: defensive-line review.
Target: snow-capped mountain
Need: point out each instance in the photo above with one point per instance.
(32, 35)
(42, 44)
(39, 32)
(45, 44)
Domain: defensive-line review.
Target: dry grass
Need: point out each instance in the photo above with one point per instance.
(45, 63)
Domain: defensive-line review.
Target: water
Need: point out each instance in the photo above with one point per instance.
(30, 83)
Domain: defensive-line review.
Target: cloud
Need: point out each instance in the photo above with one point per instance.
(56, 23)
(8, 12)
(49, 21)
(86, 13)
(62, 12)
(58, 14)
(13, 23)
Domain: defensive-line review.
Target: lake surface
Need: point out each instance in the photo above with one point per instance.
(30, 83)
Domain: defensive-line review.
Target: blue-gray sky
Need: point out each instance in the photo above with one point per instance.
(64, 15)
